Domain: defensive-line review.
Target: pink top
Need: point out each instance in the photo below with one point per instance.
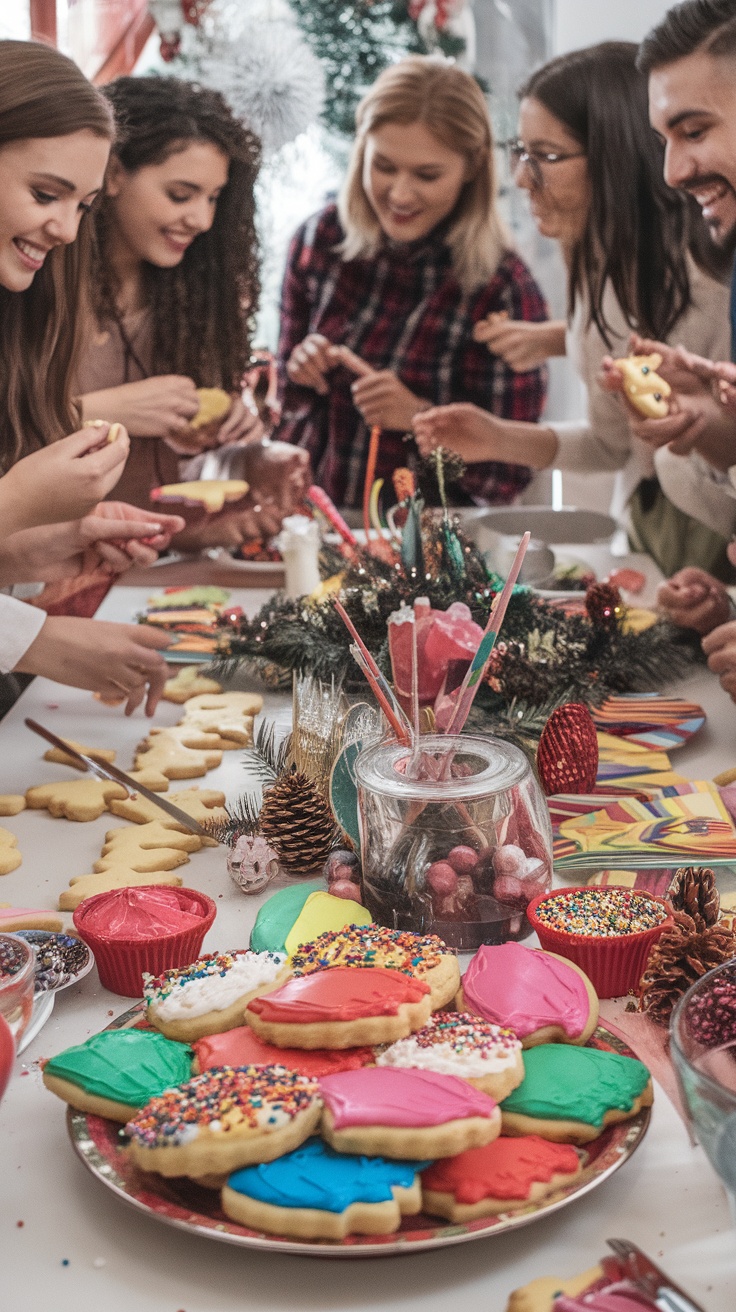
(526, 990)
(385, 1095)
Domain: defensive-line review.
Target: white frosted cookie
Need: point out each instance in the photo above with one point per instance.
(456, 1043)
(210, 995)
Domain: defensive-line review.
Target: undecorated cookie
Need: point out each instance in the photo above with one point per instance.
(152, 846)
(228, 714)
(105, 881)
(12, 918)
(76, 799)
(189, 682)
(539, 1295)
(10, 857)
(206, 805)
(12, 803)
(163, 751)
(104, 754)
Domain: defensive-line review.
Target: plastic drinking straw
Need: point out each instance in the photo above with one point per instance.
(479, 663)
(414, 694)
(370, 474)
(381, 690)
(321, 501)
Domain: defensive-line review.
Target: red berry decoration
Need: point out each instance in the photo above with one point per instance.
(567, 756)
(603, 605)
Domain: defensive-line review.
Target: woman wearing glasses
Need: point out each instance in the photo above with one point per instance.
(637, 259)
(410, 260)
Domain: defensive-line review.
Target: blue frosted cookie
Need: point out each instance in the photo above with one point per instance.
(316, 1193)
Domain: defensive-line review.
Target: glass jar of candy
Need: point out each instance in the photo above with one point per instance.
(455, 838)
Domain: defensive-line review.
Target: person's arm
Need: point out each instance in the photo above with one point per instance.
(20, 625)
(115, 537)
(152, 407)
(479, 436)
(120, 661)
(278, 475)
(522, 343)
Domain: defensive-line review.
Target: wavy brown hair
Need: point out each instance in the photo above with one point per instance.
(204, 307)
(43, 94)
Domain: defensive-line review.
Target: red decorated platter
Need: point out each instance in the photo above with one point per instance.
(189, 1206)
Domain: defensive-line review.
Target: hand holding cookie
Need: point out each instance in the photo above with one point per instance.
(65, 480)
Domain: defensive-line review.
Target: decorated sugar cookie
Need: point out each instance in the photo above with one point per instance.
(384, 1111)
(242, 1047)
(212, 493)
(224, 1119)
(500, 1177)
(456, 1043)
(209, 996)
(316, 1193)
(115, 1073)
(571, 1094)
(277, 915)
(321, 914)
(424, 956)
(541, 997)
(345, 1007)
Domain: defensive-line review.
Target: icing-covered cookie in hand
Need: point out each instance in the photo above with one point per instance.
(210, 493)
(541, 997)
(456, 1043)
(500, 1177)
(424, 956)
(643, 386)
(343, 1007)
(316, 1193)
(570, 1094)
(386, 1112)
(208, 997)
(224, 1119)
(114, 1073)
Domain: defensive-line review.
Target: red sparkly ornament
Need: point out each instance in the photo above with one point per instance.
(567, 756)
(603, 604)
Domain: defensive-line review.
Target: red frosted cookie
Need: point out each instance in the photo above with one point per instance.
(344, 1007)
(500, 1177)
(541, 997)
(385, 1111)
(242, 1047)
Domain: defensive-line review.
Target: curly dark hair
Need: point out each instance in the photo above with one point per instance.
(206, 304)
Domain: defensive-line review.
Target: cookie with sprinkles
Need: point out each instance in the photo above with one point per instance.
(316, 1193)
(424, 956)
(456, 1043)
(210, 995)
(502, 1176)
(224, 1119)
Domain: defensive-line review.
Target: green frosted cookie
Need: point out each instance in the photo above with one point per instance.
(567, 1083)
(278, 914)
(121, 1067)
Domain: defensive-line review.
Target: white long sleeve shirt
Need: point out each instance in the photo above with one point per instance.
(20, 624)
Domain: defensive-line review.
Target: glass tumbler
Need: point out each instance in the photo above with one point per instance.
(455, 838)
(703, 1041)
(17, 983)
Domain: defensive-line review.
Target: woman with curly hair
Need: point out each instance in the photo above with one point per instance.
(399, 272)
(174, 290)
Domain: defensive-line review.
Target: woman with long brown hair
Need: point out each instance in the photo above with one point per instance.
(413, 255)
(637, 261)
(55, 134)
(174, 292)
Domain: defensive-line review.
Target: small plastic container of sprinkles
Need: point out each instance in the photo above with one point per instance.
(614, 961)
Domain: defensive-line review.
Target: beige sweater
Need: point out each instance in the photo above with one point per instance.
(602, 441)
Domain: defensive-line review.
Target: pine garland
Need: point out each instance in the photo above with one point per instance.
(545, 657)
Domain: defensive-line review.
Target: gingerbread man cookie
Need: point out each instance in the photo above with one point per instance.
(228, 714)
(76, 799)
(164, 751)
(55, 754)
(105, 881)
(10, 859)
(189, 682)
(207, 805)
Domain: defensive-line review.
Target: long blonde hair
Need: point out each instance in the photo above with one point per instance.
(43, 94)
(450, 104)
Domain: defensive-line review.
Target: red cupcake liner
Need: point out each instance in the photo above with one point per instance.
(613, 965)
(121, 963)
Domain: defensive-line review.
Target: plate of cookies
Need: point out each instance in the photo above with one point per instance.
(355, 1096)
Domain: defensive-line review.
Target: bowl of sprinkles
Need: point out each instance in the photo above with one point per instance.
(607, 932)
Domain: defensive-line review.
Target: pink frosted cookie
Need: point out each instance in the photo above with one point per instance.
(541, 997)
(456, 1043)
(384, 1111)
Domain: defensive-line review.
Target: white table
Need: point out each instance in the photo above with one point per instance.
(80, 1247)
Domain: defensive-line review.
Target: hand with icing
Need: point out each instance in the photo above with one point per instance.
(642, 385)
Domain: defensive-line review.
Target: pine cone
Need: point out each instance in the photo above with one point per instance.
(693, 890)
(603, 604)
(298, 823)
(682, 954)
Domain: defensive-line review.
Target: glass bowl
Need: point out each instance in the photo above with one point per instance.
(703, 1043)
(17, 983)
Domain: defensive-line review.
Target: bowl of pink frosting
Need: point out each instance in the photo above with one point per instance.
(134, 931)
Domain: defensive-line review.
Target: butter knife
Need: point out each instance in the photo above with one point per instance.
(648, 1277)
(111, 772)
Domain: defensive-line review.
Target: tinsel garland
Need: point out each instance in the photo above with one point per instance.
(544, 658)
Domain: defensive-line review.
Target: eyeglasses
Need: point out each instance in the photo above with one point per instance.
(537, 161)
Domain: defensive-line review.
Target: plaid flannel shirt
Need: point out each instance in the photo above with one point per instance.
(402, 310)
